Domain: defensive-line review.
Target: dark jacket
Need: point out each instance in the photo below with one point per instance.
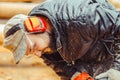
(85, 32)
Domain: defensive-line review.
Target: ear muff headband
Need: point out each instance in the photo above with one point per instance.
(35, 24)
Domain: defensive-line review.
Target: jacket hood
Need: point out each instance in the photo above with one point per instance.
(77, 24)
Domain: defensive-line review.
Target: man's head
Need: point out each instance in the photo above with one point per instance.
(20, 41)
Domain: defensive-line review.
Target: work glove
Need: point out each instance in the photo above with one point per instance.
(111, 74)
(15, 37)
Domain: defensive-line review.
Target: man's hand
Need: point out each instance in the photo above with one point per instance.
(111, 74)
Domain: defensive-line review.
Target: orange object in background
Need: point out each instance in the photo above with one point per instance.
(115, 3)
(83, 76)
(15, 0)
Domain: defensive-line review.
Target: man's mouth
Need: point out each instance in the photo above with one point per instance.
(38, 53)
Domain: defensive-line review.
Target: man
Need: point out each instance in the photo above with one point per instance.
(81, 38)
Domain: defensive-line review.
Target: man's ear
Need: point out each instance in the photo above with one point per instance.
(48, 24)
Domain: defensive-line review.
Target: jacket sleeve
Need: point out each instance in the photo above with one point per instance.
(116, 46)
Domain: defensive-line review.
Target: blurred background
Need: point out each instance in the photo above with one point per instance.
(30, 67)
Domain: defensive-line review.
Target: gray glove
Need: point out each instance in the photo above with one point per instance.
(15, 38)
(111, 74)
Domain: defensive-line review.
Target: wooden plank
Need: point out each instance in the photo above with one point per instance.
(37, 1)
(8, 10)
(115, 3)
(16, 0)
(22, 1)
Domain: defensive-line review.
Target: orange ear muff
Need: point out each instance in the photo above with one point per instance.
(35, 24)
(83, 76)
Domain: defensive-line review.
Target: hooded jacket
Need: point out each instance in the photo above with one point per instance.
(84, 29)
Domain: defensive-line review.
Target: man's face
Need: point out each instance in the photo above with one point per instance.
(40, 42)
